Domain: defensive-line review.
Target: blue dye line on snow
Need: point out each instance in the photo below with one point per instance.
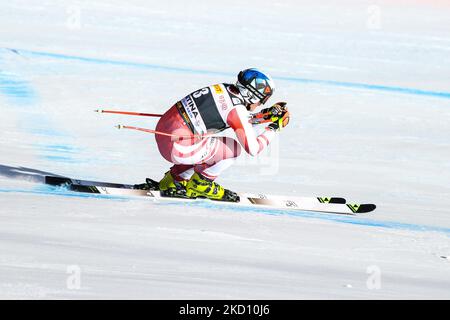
(60, 148)
(59, 153)
(60, 191)
(119, 62)
(352, 85)
(340, 218)
(16, 90)
(372, 87)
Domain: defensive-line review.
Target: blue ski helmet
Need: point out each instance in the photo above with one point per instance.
(255, 86)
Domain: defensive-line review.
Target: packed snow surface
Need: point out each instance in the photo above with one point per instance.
(368, 86)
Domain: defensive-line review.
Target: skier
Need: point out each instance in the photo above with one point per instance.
(198, 157)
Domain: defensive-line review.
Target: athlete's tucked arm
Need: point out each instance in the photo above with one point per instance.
(253, 145)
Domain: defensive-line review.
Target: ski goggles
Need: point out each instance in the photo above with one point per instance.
(258, 88)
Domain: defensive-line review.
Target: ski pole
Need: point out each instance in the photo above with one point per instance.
(255, 120)
(121, 126)
(255, 117)
(129, 113)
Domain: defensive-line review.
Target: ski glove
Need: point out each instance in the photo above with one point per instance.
(279, 115)
(275, 110)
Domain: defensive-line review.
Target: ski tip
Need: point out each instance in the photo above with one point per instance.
(119, 126)
(362, 208)
(368, 207)
(98, 110)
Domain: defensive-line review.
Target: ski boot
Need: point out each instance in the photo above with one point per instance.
(201, 187)
(169, 187)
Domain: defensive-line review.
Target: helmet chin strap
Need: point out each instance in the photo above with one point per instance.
(248, 104)
(247, 95)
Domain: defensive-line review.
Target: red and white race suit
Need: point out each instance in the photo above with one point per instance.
(208, 110)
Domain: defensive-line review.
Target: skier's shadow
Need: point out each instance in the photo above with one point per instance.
(23, 173)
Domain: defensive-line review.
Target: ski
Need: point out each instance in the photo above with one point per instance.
(318, 204)
(95, 186)
(136, 190)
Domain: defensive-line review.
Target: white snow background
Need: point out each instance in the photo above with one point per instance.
(368, 86)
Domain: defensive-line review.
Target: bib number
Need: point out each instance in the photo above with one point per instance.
(201, 92)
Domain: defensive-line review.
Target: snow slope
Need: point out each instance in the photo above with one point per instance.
(368, 86)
